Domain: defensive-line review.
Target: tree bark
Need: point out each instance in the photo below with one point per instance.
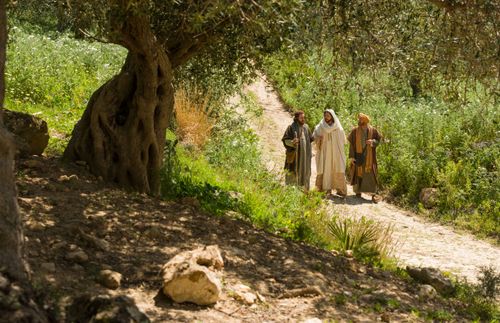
(16, 303)
(122, 132)
(10, 222)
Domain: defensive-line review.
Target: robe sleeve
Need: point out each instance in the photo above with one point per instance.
(288, 138)
(351, 139)
(377, 137)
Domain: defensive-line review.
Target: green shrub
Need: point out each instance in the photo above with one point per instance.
(428, 142)
(367, 239)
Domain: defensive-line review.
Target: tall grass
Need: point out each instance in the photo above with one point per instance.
(228, 177)
(54, 77)
(193, 119)
(431, 141)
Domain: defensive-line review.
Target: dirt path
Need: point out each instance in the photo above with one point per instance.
(419, 242)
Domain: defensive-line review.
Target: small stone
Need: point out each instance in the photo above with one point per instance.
(77, 267)
(48, 267)
(110, 279)
(244, 294)
(426, 292)
(335, 253)
(33, 163)
(433, 277)
(312, 320)
(63, 179)
(347, 293)
(59, 245)
(73, 178)
(385, 317)
(428, 197)
(35, 226)
(4, 282)
(349, 253)
(78, 256)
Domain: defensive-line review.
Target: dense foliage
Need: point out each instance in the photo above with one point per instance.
(432, 141)
(53, 77)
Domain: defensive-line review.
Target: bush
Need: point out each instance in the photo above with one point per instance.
(428, 142)
(367, 239)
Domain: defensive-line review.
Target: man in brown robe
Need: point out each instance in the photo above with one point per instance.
(363, 141)
(297, 140)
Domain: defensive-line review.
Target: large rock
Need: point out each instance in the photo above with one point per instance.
(31, 133)
(433, 277)
(192, 276)
(428, 197)
(105, 308)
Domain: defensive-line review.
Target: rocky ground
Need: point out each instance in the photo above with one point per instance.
(76, 226)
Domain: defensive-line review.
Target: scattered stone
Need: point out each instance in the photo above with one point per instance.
(301, 292)
(192, 276)
(428, 197)
(155, 233)
(63, 179)
(94, 242)
(105, 308)
(244, 294)
(335, 253)
(110, 279)
(4, 282)
(33, 163)
(385, 317)
(433, 277)
(66, 178)
(426, 292)
(349, 253)
(312, 320)
(31, 134)
(35, 226)
(48, 267)
(59, 245)
(81, 163)
(78, 256)
(77, 267)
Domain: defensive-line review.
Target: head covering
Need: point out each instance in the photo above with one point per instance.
(297, 114)
(363, 118)
(334, 126)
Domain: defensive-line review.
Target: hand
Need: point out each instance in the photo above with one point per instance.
(369, 142)
(295, 141)
(352, 160)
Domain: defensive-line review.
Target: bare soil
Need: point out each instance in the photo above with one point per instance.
(58, 201)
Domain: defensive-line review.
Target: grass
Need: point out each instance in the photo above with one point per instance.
(368, 240)
(54, 77)
(193, 119)
(432, 141)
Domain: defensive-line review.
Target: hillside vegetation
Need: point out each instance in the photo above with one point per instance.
(446, 138)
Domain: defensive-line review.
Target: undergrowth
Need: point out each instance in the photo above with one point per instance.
(431, 141)
(54, 77)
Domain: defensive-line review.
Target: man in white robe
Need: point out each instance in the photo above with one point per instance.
(330, 156)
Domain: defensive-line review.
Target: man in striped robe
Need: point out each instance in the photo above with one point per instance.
(363, 141)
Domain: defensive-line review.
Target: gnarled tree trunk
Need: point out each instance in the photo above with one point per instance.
(16, 303)
(122, 132)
